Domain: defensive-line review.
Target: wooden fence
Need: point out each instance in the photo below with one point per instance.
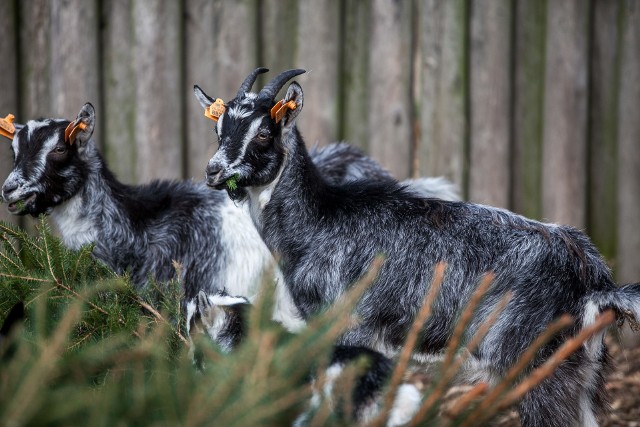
(531, 105)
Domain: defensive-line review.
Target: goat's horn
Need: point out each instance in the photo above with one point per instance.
(250, 80)
(273, 87)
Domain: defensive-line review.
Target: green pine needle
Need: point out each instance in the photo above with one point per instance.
(232, 182)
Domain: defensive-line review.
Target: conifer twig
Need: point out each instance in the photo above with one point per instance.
(559, 356)
(452, 369)
(520, 365)
(410, 343)
(161, 318)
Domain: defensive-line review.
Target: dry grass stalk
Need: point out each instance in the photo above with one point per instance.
(410, 343)
(520, 365)
(43, 368)
(465, 400)
(338, 316)
(566, 350)
(465, 317)
(452, 369)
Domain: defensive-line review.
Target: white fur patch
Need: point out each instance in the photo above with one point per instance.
(226, 300)
(76, 228)
(251, 133)
(405, 405)
(594, 344)
(245, 268)
(238, 112)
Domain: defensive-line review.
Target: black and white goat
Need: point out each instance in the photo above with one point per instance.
(326, 236)
(223, 319)
(142, 229)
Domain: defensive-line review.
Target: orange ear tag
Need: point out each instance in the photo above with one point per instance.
(215, 110)
(72, 130)
(7, 129)
(278, 110)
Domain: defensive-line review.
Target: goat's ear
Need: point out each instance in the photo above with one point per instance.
(203, 302)
(294, 93)
(86, 116)
(204, 99)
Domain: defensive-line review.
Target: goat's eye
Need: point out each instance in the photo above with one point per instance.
(262, 136)
(60, 149)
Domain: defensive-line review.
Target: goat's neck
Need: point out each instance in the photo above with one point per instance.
(82, 217)
(295, 188)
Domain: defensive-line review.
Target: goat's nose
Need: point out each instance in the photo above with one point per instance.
(9, 187)
(213, 170)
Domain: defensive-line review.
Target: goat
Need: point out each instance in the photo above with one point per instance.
(142, 229)
(222, 318)
(326, 236)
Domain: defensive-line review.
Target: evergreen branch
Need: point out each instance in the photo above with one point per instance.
(452, 369)
(32, 279)
(410, 343)
(6, 257)
(560, 355)
(162, 319)
(10, 243)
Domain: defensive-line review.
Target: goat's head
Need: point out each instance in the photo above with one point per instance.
(250, 132)
(49, 163)
(213, 315)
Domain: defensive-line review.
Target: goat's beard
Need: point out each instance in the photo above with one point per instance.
(238, 194)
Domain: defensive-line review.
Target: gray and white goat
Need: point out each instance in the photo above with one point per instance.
(327, 235)
(143, 229)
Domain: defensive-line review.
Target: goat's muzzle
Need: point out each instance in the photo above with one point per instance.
(216, 176)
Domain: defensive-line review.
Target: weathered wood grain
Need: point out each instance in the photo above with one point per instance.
(278, 37)
(354, 92)
(35, 90)
(119, 86)
(318, 52)
(389, 85)
(159, 91)
(74, 68)
(603, 103)
(443, 97)
(565, 113)
(628, 216)
(490, 91)
(217, 63)
(529, 66)
(9, 98)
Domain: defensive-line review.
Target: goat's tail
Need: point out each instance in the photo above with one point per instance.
(433, 187)
(625, 300)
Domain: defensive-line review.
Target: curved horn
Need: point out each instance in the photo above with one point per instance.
(250, 80)
(273, 87)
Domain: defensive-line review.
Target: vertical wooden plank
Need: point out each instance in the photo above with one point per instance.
(279, 25)
(389, 85)
(318, 53)
(74, 57)
(158, 117)
(565, 113)
(119, 144)
(217, 64)
(604, 75)
(490, 92)
(443, 118)
(628, 246)
(35, 24)
(529, 63)
(354, 89)
(9, 98)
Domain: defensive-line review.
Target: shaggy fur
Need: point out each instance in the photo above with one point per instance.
(143, 229)
(327, 235)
